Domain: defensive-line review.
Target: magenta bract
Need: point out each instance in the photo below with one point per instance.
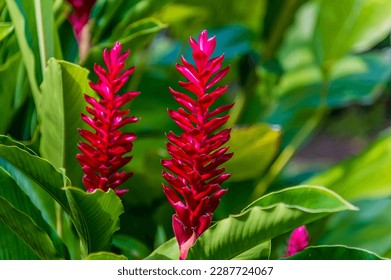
(80, 15)
(298, 241)
(194, 176)
(104, 155)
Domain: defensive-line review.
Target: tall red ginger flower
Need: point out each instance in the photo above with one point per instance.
(105, 154)
(298, 241)
(194, 175)
(80, 15)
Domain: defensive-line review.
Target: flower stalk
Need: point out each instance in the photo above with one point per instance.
(194, 174)
(106, 148)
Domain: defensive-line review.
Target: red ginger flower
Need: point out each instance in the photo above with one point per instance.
(298, 241)
(194, 174)
(104, 156)
(81, 14)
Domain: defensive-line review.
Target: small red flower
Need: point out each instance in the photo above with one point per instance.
(81, 14)
(104, 155)
(194, 175)
(298, 241)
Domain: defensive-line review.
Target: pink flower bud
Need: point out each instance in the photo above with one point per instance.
(298, 241)
(80, 15)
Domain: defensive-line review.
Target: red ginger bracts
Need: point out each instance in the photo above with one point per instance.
(104, 155)
(80, 15)
(194, 175)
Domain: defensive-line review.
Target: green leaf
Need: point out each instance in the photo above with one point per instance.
(130, 247)
(134, 37)
(11, 76)
(95, 216)
(350, 25)
(45, 29)
(22, 13)
(11, 246)
(312, 199)
(373, 221)
(268, 217)
(63, 88)
(10, 191)
(366, 175)
(336, 252)
(6, 28)
(254, 148)
(355, 79)
(105, 256)
(25, 228)
(36, 176)
(259, 252)
(168, 251)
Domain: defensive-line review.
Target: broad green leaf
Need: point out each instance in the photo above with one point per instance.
(259, 252)
(134, 37)
(130, 247)
(5, 29)
(11, 76)
(167, 251)
(36, 176)
(350, 25)
(196, 14)
(95, 216)
(10, 191)
(266, 218)
(25, 228)
(63, 88)
(373, 221)
(254, 148)
(11, 246)
(170, 251)
(336, 252)
(105, 256)
(7, 141)
(312, 199)
(355, 79)
(363, 176)
(22, 13)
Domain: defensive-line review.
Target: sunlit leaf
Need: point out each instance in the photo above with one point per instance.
(336, 252)
(95, 216)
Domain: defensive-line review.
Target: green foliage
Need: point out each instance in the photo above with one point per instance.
(349, 25)
(293, 63)
(256, 144)
(265, 219)
(105, 256)
(352, 177)
(25, 228)
(37, 177)
(95, 216)
(64, 83)
(366, 229)
(335, 252)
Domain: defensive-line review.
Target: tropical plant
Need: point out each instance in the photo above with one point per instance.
(296, 68)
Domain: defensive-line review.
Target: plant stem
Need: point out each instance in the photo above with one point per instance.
(287, 153)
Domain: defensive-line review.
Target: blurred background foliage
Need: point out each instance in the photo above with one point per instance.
(310, 80)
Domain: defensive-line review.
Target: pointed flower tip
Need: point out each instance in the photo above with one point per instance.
(298, 241)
